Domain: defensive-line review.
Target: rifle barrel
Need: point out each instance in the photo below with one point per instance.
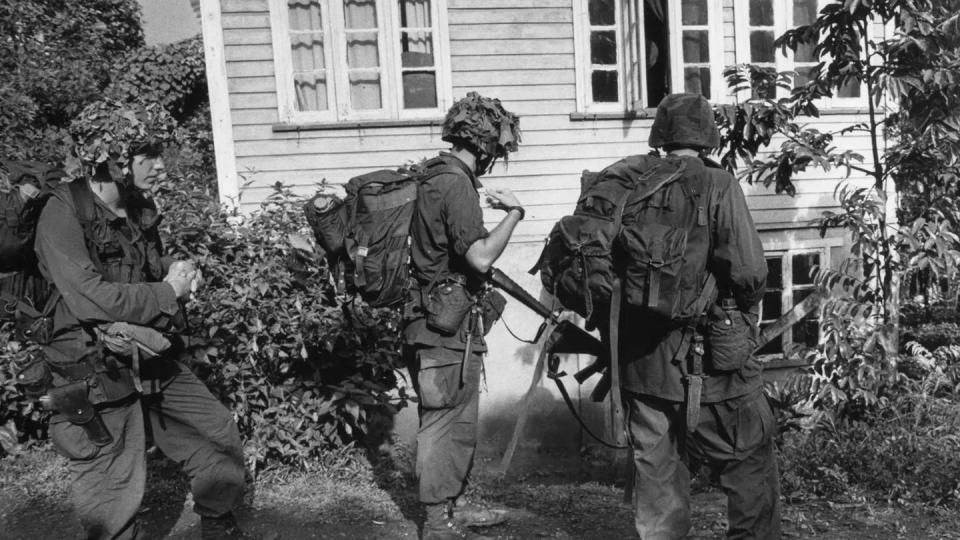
(510, 287)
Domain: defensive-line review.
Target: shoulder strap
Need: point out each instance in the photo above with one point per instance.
(646, 191)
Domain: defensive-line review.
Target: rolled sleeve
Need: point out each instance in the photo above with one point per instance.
(62, 252)
(463, 216)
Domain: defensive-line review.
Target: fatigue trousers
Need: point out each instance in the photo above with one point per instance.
(188, 425)
(448, 389)
(735, 438)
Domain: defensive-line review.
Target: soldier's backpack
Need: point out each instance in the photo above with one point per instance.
(26, 299)
(18, 217)
(369, 229)
(624, 232)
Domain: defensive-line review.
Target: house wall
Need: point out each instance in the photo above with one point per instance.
(521, 51)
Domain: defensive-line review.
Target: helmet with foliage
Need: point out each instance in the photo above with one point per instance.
(482, 125)
(107, 133)
(684, 120)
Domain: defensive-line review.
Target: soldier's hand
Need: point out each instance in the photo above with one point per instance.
(182, 276)
(501, 198)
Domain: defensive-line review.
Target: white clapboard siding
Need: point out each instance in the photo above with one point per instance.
(521, 51)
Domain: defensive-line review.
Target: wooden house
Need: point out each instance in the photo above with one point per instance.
(305, 91)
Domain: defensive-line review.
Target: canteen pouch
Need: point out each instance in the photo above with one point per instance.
(71, 401)
(328, 216)
(491, 308)
(34, 378)
(448, 303)
(731, 338)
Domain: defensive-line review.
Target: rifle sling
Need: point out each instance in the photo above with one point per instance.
(553, 374)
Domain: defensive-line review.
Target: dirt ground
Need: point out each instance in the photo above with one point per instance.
(561, 498)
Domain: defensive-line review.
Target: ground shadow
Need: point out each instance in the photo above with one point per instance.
(393, 464)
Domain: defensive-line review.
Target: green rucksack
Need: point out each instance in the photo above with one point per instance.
(630, 226)
(369, 230)
(26, 298)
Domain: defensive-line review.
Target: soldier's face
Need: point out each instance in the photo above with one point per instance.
(147, 171)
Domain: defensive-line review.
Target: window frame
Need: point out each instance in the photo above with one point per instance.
(338, 89)
(631, 56)
(785, 250)
(782, 21)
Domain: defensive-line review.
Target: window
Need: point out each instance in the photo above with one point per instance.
(763, 21)
(631, 53)
(360, 59)
(788, 283)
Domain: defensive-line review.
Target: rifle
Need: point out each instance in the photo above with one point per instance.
(566, 338)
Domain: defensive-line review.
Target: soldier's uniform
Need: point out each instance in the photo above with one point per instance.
(449, 220)
(734, 433)
(446, 367)
(186, 422)
(109, 269)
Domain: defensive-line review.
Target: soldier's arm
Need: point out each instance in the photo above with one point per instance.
(738, 261)
(62, 253)
(485, 251)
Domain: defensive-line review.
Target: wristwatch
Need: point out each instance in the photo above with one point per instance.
(518, 209)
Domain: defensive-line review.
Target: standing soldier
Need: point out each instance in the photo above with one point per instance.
(729, 425)
(444, 345)
(112, 355)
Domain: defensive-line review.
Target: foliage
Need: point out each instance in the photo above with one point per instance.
(910, 113)
(172, 76)
(108, 132)
(55, 58)
(302, 368)
(905, 452)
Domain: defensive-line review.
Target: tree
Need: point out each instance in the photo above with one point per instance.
(911, 83)
(52, 64)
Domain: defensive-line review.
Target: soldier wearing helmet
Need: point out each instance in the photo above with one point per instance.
(116, 336)
(451, 252)
(692, 391)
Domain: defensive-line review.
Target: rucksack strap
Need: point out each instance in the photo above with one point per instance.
(86, 215)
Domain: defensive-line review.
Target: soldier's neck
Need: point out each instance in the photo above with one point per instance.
(109, 194)
(465, 156)
(684, 152)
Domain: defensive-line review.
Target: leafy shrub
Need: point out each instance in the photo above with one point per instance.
(302, 368)
(55, 58)
(905, 452)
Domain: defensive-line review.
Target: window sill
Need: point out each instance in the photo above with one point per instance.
(623, 115)
(354, 124)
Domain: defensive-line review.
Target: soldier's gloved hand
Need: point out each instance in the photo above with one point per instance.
(502, 198)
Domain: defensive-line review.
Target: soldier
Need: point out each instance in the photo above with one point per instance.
(731, 428)
(113, 354)
(451, 252)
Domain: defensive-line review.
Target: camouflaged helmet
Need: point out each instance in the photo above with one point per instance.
(684, 120)
(108, 133)
(483, 125)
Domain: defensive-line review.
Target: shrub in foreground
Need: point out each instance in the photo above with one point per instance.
(302, 368)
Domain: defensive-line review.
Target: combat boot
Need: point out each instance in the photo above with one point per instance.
(439, 525)
(470, 514)
(224, 528)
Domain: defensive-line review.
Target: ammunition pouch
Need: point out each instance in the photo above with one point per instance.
(72, 401)
(34, 378)
(491, 308)
(447, 305)
(108, 378)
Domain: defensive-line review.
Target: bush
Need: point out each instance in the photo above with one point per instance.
(302, 368)
(906, 452)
